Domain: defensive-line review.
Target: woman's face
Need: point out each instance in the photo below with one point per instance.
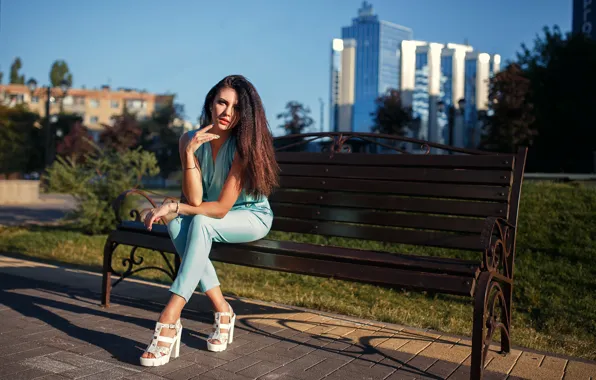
(224, 112)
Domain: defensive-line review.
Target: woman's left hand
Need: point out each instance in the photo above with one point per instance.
(155, 214)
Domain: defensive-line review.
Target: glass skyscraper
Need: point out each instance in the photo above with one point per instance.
(377, 61)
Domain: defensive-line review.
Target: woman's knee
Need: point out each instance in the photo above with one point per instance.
(200, 221)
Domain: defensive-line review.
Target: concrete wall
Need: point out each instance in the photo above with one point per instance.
(19, 191)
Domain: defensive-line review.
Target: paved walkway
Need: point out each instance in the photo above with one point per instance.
(52, 327)
(49, 209)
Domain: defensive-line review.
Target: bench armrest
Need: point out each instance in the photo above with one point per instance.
(497, 239)
(135, 212)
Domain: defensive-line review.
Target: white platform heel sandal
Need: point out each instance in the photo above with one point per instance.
(162, 354)
(224, 338)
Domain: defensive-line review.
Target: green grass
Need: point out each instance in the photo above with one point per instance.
(555, 275)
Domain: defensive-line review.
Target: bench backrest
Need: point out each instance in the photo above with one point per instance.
(431, 200)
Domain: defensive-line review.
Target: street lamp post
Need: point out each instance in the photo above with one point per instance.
(48, 134)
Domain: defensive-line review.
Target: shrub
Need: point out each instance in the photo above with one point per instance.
(97, 181)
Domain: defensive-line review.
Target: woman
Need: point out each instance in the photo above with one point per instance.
(229, 170)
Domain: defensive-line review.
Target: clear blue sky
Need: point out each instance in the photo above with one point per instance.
(186, 46)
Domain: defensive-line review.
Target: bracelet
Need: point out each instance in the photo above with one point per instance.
(194, 167)
(177, 207)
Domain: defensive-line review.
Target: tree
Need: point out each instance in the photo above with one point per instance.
(124, 135)
(390, 116)
(512, 121)
(18, 134)
(60, 72)
(15, 78)
(160, 136)
(77, 145)
(296, 118)
(562, 76)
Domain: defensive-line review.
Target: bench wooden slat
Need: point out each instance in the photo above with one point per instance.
(504, 162)
(475, 192)
(458, 267)
(375, 201)
(427, 222)
(134, 233)
(413, 237)
(470, 176)
(345, 271)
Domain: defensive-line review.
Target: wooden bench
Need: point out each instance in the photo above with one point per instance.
(465, 201)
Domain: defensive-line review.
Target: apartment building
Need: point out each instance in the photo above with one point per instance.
(95, 106)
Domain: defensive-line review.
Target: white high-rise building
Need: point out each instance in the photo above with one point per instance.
(343, 67)
(437, 80)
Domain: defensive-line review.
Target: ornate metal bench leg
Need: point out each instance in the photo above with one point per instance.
(506, 318)
(490, 299)
(106, 287)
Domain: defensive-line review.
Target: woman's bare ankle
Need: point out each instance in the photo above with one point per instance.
(168, 316)
(222, 307)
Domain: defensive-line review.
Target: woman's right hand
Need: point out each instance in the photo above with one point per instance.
(199, 138)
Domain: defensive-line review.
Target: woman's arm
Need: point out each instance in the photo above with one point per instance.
(218, 209)
(229, 194)
(192, 183)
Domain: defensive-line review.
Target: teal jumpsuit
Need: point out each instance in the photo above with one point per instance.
(249, 220)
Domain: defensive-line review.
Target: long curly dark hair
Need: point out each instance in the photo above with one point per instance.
(254, 141)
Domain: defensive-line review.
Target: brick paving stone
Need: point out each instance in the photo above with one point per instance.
(301, 350)
(342, 374)
(286, 333)
(220, 374)
(172, 366)
(331, 354)
(296, 367)
(554, 364)
(580, 370)
(320, 370)
(205, 360)
(10, 368)
(22, 356)
(61, 342)
(262, 339)
(253, 347)
(239, 364)
(502, 363)
(187, 372)
(239, 342)
(85, 349)
(47, 364)
(73, 359)
(442, 369)
(29, 374)
(378, 371)
(144, 376)
(78, 373)
(53, 377)
(419, 363)
(16, 348)
(259, 369)
(528, 366)
(463, 373)
(229, 354)
(272, 356)
(356, 372)
(110, 374)
(273, 376)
